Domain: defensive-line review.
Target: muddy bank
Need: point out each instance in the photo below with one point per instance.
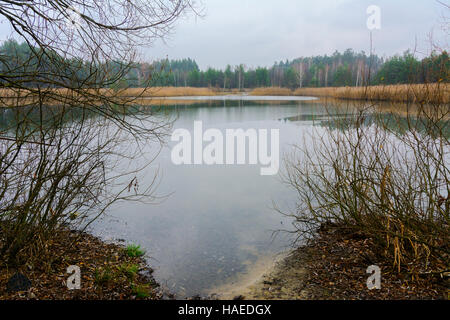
(108, 272)
(333, 266)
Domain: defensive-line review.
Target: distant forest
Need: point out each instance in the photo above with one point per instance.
(340, 69)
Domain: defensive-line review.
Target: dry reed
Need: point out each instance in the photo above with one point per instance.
(418, 93)
(271, 91)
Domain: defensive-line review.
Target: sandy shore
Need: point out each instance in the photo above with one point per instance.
(333, 266)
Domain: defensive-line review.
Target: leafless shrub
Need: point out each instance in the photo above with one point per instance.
(381, 174)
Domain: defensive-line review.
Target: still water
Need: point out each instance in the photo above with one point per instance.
(217, 221)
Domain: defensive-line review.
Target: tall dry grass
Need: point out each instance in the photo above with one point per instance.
(271, 91)
(167, 92)
(417, 93)
(55, 96)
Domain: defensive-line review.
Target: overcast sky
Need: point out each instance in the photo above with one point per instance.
(260, 32)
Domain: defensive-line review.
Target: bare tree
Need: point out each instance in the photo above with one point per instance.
(67, 120)
(300, 72)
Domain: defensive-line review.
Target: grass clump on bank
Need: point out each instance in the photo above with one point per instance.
(141, 291)
(133, 251)
(107, 272)
(129, 270)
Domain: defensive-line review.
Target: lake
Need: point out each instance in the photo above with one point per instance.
(217, 222)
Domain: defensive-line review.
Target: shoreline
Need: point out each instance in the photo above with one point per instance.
(108, 272)
(427, 93)
(415, 93)
(241, 285)
(333, 266)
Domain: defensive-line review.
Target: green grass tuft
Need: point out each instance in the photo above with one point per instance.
(133, 251)
(129, 270)
(141, 291)
(103, 277)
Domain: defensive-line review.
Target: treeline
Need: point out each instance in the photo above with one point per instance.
(340, 69)
(22, 65)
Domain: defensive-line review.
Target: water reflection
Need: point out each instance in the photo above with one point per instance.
(218, 220)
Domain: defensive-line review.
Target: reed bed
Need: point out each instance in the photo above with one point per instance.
(167, 92)
(418, 93)
(271, 91)
(128, 92)
(56, 96)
